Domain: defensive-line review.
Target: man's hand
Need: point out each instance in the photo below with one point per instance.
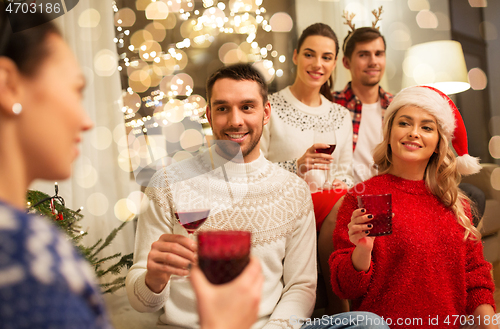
(171, 254)
(231, 305)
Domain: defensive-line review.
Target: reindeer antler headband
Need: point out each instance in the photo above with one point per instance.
(349, 17)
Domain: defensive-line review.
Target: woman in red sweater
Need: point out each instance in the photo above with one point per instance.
(430, 272)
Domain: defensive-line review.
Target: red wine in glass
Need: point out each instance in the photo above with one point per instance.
(223, 255)
(191, 220)
(328, 150)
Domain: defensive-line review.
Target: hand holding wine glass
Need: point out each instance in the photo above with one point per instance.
(325, 143)
(170, 255)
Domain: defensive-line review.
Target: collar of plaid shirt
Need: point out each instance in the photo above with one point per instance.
(347, 99)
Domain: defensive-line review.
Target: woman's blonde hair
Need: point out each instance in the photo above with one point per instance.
(441, 175)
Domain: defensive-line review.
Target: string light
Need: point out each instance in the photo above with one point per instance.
(239, 17)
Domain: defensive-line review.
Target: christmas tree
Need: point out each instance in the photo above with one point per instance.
(54, 208)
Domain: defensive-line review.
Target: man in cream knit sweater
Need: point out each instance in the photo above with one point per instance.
(252, 195)
(272, 203)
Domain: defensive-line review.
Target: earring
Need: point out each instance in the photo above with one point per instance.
(17, 108)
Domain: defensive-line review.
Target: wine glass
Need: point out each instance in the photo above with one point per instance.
(192, 203)
(328, 138)
(223, 254)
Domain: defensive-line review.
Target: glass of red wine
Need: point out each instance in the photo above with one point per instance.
(329, 139)
(223, 255)
(192, 203)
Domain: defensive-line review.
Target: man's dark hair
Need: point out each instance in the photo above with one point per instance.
(237, 72)
(363, 34)
(26, 48)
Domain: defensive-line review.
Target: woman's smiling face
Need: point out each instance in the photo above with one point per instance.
(414, 137)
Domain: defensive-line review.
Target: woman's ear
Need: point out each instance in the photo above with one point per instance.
(10, 87)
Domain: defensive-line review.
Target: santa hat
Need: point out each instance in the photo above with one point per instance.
(449, 119)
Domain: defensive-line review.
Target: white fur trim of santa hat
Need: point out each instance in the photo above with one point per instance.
(448, 117)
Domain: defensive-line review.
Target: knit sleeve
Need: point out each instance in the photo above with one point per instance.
(299, 273)
(480, 285)
(152, 223)
(342, 167)
(347, 282)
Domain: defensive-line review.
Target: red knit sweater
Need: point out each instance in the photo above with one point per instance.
(423, 270)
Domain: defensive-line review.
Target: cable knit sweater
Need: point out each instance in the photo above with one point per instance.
(290, 132)
(422, 270)
(260, 197)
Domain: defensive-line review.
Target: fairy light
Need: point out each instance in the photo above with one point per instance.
(211, 17)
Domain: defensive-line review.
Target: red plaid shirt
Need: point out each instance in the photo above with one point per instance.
(347, 99)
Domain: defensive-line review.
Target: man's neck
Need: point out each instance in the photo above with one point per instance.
(366, 94)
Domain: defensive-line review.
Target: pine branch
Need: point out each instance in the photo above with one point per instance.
(109, 238)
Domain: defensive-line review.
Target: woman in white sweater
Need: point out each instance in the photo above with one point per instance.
(303, 109)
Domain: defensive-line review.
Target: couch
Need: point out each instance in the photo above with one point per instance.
(487, 180)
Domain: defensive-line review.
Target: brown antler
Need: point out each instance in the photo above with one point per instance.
(348, 19)
(377, 17)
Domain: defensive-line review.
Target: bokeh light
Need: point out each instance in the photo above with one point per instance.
(477, 79)
(427, 19)
(105, 62)
(191, 140)
(174, 110)
(157, 30)
(264, 67)
(237, 6)
(89, 18)
(173, 132)
(136, 199)
(149, 50)
(157, 10)
(478, 3)
(169, 23)
(131, 102)
(281, 22)
(139, 81)
(125, 17)
(495, 179)
(139, 37)
(123, 210)
(494, 146)
(225, 48)
(97, 204)
(418, 5)
(182, 155)
(84, 173)
(400, 36)
(101, 138)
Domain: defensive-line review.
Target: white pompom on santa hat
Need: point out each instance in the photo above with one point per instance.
(442, 107)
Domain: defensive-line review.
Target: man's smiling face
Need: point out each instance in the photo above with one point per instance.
(237, 113)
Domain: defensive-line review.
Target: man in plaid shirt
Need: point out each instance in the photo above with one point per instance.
(364, 56)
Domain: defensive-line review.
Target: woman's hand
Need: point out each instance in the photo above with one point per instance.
(231, 305)
(312, 160)
(485, 314)
(359, 228)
